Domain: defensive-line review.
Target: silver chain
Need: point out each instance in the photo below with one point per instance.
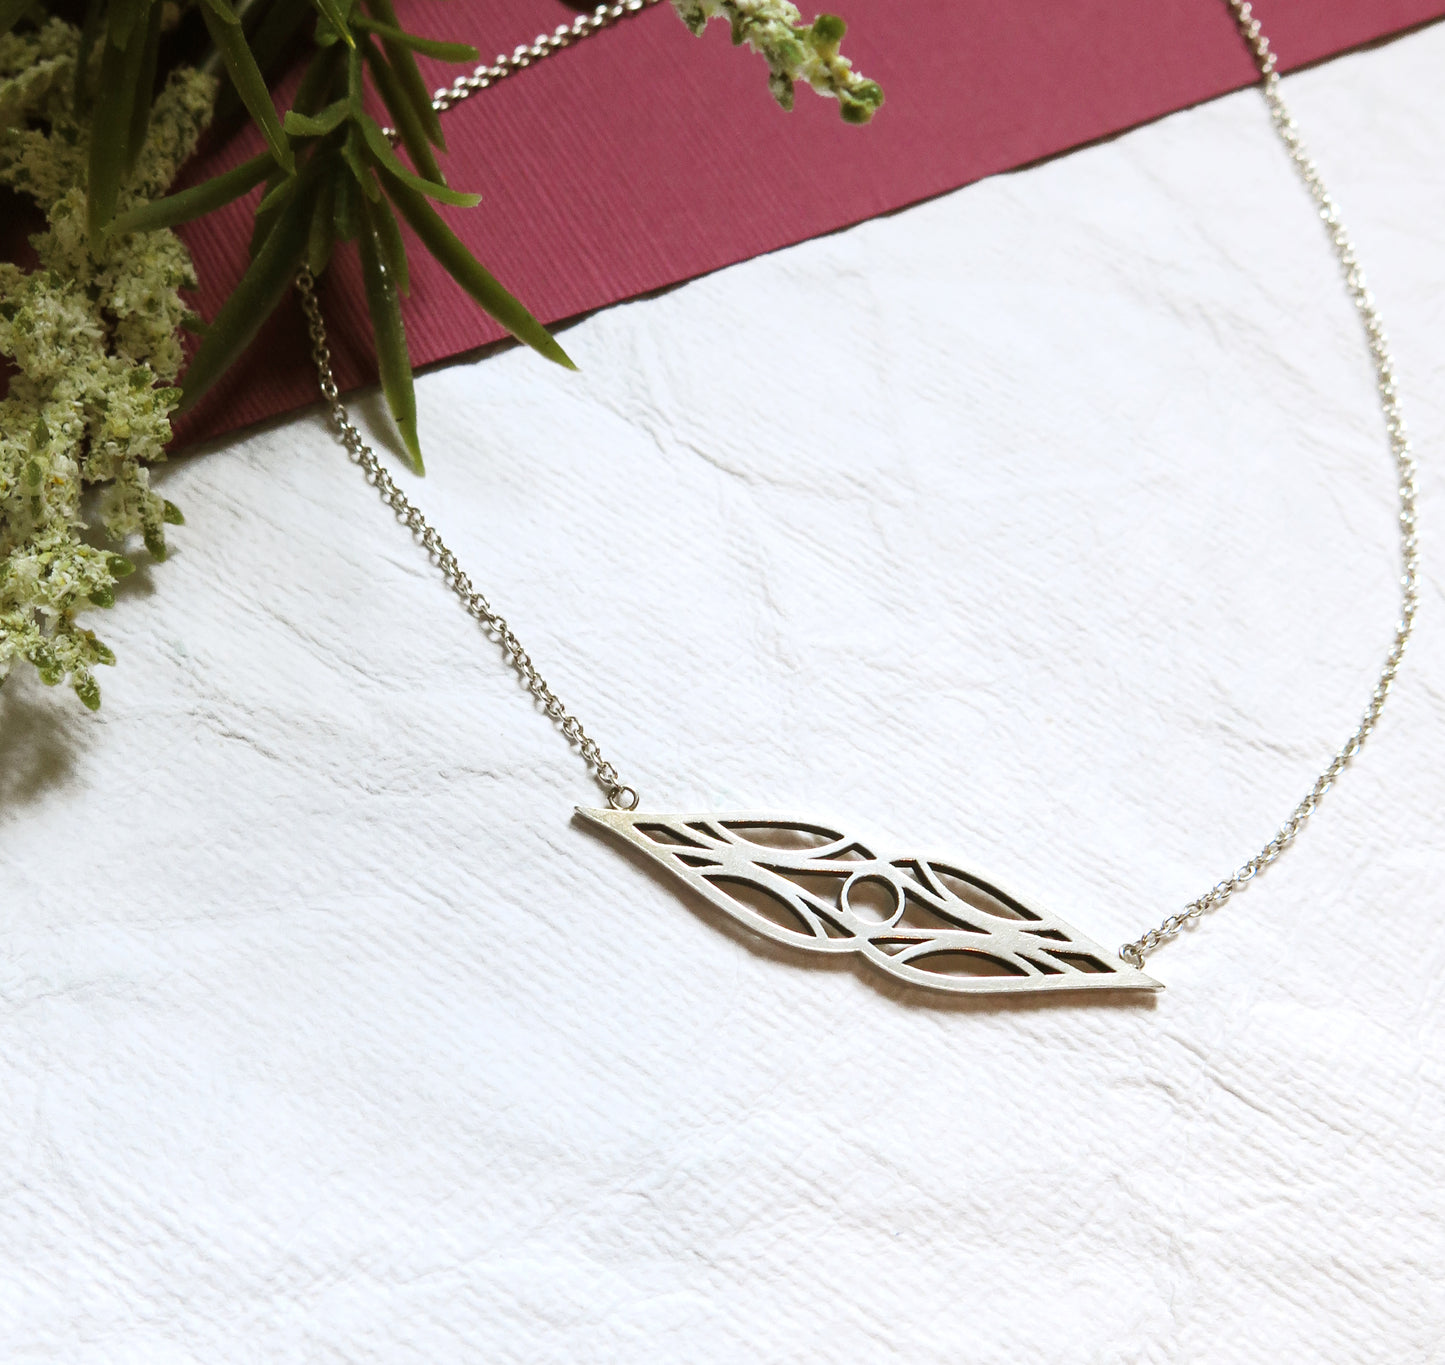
(619, 795)
(625, 797)
(1134, 953)
(583, 26)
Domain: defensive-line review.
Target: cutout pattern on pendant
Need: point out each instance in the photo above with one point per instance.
(926, 922)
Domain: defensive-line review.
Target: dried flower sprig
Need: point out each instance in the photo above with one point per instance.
(92, 334)
(793, 50)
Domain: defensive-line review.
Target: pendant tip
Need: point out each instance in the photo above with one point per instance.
(605, 816)
(596, 814)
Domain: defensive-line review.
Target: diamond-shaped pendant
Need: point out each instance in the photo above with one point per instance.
(924, 921)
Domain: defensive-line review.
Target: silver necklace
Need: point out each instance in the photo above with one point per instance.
(810, 885)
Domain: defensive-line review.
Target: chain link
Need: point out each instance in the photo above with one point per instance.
(524, 55)
(1134, 953)
(619, 795)
(625, 797)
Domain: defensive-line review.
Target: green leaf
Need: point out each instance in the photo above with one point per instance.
(140, 111)
(89, 33)
(270, 205)
(390, 334)
(336, 17)
(470, 273)
(321, 235)
(124, 15)
(318, 125)
(351, 152)
(429, 47)
(198, 200)
(276, 197)
(409, 74)
(271, 41)
(316, 88)
(380, 149)
(110, 125)
(355, 90)
(230, 41)
(347, 216)
(399, 106)
(253, 299)
(393, 249)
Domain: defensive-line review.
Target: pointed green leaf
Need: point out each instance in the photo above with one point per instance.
(347, 217)
(123, 18)
(381, 150)
(429, 47)
(317, 86)
(393, 249)
(409, 74)
(390, 334)
(413, 135)
(253, 299)
(272, 42)
(352, 152)
(110, 125)
(276, 198)
(470, 273)
(318, 125)
(270, 205)
(230, 41)
(355, 90)
(336, 17)
(89, 34)
(140, 110)
(199, 199)
(321, 235)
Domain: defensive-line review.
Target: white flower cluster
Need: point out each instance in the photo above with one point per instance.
(793, 50)
(92, 335)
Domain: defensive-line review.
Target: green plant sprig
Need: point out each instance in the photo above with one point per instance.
(332, 176)
(92, 333)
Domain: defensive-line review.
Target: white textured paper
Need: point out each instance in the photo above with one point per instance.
(1047, 527)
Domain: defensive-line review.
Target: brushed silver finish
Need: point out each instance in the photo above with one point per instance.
(925, 921)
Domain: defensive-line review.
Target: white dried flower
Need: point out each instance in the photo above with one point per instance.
(92, 337)
(794, 51)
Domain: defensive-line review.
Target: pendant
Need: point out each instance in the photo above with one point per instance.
(928, 923)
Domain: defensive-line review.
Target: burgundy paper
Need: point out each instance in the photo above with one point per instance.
(644, 156)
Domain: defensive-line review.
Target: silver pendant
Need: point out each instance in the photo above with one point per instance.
(927, 923)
